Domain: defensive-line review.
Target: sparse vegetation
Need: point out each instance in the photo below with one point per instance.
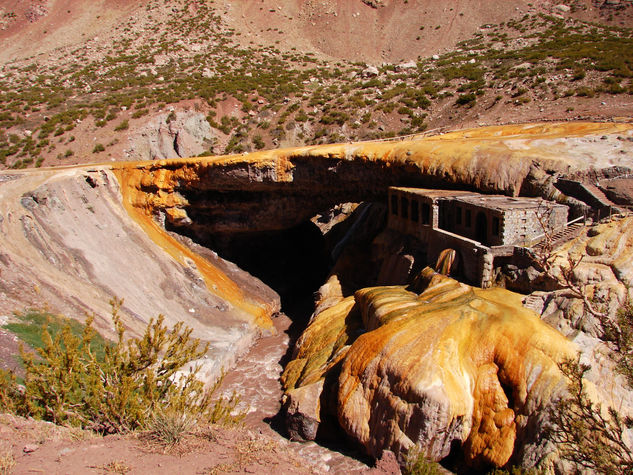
(417, 463)
(147, 382)
(124, 125)
(587, 434)
(523, 54)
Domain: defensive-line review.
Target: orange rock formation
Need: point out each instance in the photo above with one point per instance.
(454, 363)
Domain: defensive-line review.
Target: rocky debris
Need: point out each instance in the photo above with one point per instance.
(302, 411)
(406, 66)
(387, 464)
(370, 71)
(374, 3)
(172, 135)
(36, 11)
(393, 359)
(601, 256)
(619, 190)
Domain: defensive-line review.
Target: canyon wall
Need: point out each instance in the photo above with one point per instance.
(75, 237)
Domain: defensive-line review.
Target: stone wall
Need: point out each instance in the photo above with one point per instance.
(523, 226)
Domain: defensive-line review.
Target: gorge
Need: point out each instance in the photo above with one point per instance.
(394, 353)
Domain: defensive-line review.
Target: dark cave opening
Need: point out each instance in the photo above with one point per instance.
(294, 262)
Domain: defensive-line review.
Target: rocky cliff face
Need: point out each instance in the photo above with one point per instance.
(433, 365)
(278, 189)
(172, 135)
(69, 245)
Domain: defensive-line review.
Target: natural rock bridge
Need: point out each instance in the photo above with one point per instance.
(74, 237)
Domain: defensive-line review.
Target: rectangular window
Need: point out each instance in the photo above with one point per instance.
(495, 226)
(468, 218)
(458, 215)
(415, 211)
(404, 204)
(426, 213)
(394, 205)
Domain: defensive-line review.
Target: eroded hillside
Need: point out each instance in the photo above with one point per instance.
(188, 78)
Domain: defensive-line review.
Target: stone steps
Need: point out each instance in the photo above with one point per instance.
(535, 303)
(560, 237)
(600, 197)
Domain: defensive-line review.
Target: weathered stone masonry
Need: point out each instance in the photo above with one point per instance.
(479, 227)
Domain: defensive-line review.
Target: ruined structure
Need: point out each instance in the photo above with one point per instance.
(479, 227)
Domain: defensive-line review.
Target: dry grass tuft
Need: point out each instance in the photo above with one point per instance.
(7, 461)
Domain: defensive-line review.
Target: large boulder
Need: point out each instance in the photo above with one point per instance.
(437, 365)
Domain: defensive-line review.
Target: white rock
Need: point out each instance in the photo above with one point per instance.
(370, 71)
(406, 65)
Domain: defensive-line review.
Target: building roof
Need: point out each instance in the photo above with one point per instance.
(504, 203)
(434, 194)
(500, 203)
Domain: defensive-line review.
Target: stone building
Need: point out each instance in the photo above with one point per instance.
(481, 228)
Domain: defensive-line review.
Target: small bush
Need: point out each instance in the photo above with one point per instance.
(416, 463)
(258, 141)
(169, 428)
(136, 383)
(140, 113)
(122, 126)
(466, 99)
(586, 436)
(98, 148)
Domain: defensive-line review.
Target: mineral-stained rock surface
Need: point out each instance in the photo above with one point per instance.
(278, 189)
(69, 245)
(75, 237)
(453, 364)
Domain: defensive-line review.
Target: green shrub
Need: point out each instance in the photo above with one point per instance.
(466, 99)
(122, 126)
(136, 384)
(587, 437)
(258, 141)
(98, 148)
(416, 463)
(140, 113)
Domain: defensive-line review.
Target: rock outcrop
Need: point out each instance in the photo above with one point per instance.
(172, 135)
(103, 230)
(278, 189)
(69, 245)
(450, 365)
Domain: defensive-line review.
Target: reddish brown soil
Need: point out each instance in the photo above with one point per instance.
(62, 23)
(38, 447)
